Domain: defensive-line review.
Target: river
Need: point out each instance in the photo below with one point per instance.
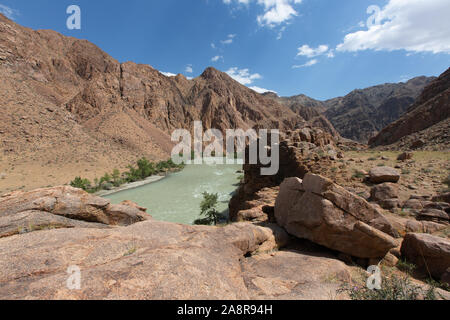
(177, 197)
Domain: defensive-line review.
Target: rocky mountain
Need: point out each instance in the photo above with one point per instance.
(426, 121)
(363, 113)
(309, 109)
(68, 108)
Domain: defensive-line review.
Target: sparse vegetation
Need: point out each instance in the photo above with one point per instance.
(358, 175)
(144, 169)
(393, 287)
(208, 209)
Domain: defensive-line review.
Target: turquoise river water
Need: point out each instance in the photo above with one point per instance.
(177, 197)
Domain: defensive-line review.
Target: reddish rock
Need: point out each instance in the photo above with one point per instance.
(320, 211)
(384, 174)
(429, 253)
(384, 191)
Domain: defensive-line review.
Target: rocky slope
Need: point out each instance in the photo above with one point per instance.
(363, 113)
(121, 253)
(425, 119)
(69, 109)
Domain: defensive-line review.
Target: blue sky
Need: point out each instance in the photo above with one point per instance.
(321, 48)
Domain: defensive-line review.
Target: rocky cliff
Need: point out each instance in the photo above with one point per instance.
(428, 114)
(363, 113)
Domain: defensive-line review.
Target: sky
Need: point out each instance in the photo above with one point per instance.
(320, 48)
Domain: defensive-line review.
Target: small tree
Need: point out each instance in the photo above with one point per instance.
(208, 209)
(145, 168)
(116, 180)
(79, 183)
(105, 179)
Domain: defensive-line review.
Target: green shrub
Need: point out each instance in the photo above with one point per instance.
(358, 175)
(80, 183)
(208, 209)
(392, 288)
(116, 180)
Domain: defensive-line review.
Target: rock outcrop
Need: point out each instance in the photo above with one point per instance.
(320, 211)
(62, 207)
(430, 254)
(301, 151)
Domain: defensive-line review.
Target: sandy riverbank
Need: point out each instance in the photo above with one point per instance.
(132, 185)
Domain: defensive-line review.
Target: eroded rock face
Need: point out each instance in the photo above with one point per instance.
(325, 213)
(62, 207)
(429, 253)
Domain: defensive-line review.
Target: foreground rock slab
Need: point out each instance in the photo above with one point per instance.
(62, 207)
(321, 211)
(148, 260)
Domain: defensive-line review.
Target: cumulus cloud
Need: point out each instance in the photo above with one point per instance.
(309, 52)
(8, 12)
(189, 69)
(411, 25)
(229, 39)
(216, 58)
(310, 63)
(275, 12)
(168, 74)
(261, 90)
(243, 76)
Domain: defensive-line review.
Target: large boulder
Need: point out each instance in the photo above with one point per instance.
(62, 207)
(384, 191)
(430, 254)
(321, 211)
(384, 174)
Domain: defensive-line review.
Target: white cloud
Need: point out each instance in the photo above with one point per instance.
(168, 74)
(189, 69)
(310, 63)
(275, 12)
(411, 25)
(216, 58)
(309, 52)
(261, 90)
(8, 12)
(243, 76)
(229, 39)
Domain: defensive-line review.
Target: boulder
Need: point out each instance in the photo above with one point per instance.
(62, 207)
(384, 174)
(445, 197)
(321, 211)
(405, 156)
(417, 144)
(430, 254)
(433, 215)
(413, 204)
(389, 204)
(384, 191)
(405, 225)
